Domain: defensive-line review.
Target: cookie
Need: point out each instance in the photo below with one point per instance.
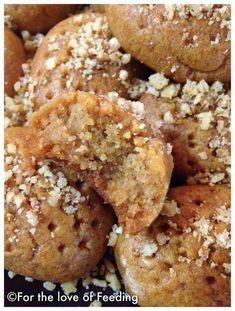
(117, 154)
(197, 125)
(37, 17)
(52, 219)
(80, 53)
(181, 41)
(98, 8)
(183, 259)
(14, 57)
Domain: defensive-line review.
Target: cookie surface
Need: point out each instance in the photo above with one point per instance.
(80, 53)
(197, 125)
(98, 8)
(116, 152)
(52, 220)
(182, 41)
(14, 57)
(37, 17)
(183, 259)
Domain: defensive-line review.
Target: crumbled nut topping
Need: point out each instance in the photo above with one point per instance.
(49, 286)
(205, 231)
(174, 68)
(158, 81)
(211, 12)
(47, 184)
(8, 21)
(99, 283)
(227, 267)
(69, 287)
(51, 63)
(11, 274)
(103, 276)
(162, 238)
(91, 48)
(31, 42)
(223, 239)
(169, 148)
(203, 226)
(157, 85)
(223, 214)
(205, 119)
(95, 303)
(184, 259)
(170, 208)
(170, 91)
(136, 106)
(149, 249)
(203, 155)
(113, 236)
(32, 218)
(172, 272)
(210, 108)
(19, 108)
(216, 40)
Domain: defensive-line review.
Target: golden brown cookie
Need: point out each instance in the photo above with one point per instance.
(55, 225)
(115, 151)
(37, 17)
(81, 54)
(14, 57)
(182, 41)
(197, 125)
(183, 259)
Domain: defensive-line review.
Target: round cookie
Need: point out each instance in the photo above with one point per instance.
(37, 17)
(115, 151)
(80, 54)
(182, 41)
(197, 125)
(14, 57)
(55, 226)
(183, 259)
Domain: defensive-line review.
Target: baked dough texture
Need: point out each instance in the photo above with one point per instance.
(183, 259)
(14, 57)
(182, 41)
(80, 53)
(197, 125)
(56, 226)
(117, 154)
(37, 17)
(98, 8)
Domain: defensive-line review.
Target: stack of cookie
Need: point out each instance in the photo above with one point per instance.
(125, 110)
